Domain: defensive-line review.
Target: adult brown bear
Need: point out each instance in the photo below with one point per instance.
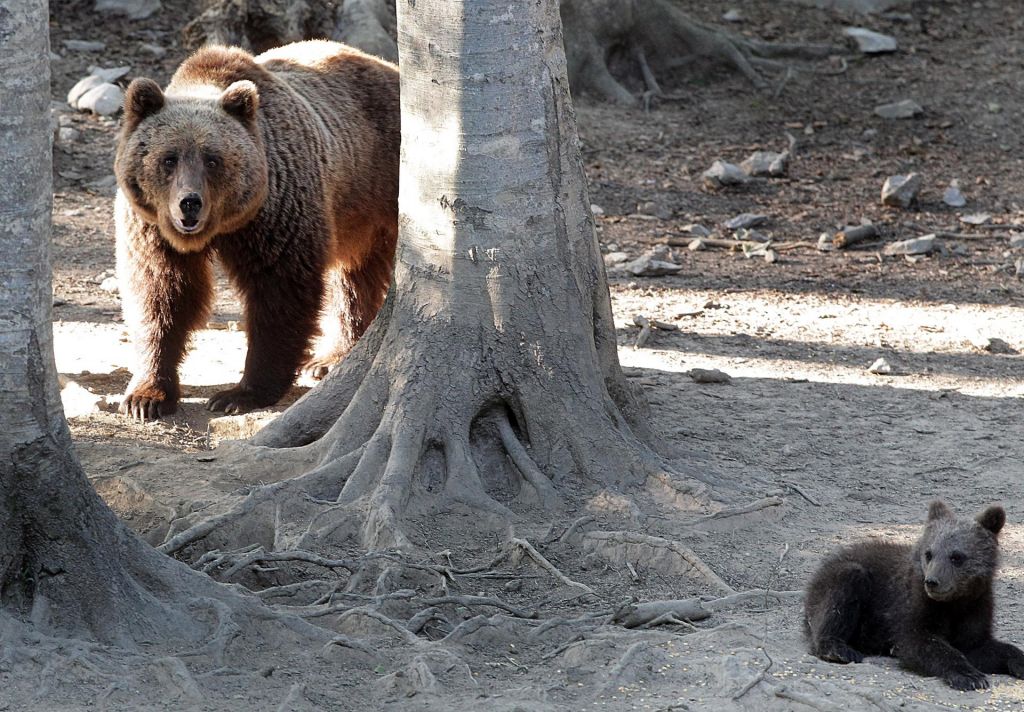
(285, 167)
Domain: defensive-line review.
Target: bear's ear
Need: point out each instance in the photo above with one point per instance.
(143, 98)
(939, 510)
(241, 100)
(992, 519)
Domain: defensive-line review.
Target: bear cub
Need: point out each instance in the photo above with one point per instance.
(284, 168)
(929, 605)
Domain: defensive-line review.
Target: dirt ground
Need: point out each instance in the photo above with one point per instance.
(826, 450)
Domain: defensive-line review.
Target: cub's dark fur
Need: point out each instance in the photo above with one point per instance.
(929, 605)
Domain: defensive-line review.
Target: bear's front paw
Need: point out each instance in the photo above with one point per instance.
(837, 651)
(238, 400)
(148, 402)
(969, 679)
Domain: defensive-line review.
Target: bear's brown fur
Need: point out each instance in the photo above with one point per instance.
(285, 167)
(930, 605)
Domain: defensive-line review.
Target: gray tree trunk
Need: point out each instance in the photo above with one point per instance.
(490, 379)
(68, 566)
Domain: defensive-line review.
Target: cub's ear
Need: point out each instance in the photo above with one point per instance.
(143, 98)
(241, 100)
(992, 518)
(939, 510)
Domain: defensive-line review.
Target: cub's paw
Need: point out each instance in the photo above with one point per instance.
(148, 402)
(836, 651)
(238, 400)
(966, 680)
(1016, 666)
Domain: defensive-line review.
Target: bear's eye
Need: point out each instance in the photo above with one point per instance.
(212, 162)
(957, 558)
(928, 555)
(170, 160)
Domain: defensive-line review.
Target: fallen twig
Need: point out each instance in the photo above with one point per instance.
(548, 566)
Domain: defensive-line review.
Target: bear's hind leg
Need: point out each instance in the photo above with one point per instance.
(998, 658)
(834, 610)
(336, 338)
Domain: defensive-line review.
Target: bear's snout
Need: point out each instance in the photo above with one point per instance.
(191, 205)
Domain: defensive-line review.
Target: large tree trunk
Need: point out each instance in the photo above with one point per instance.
(490, 379)
(68, 566)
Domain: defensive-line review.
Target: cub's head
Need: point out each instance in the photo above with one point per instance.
(192, 162)
(958, 557)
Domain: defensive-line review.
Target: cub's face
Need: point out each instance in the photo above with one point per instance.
(192, 164)
(958, 557)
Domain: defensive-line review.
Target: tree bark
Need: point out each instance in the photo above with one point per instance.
(68, 566)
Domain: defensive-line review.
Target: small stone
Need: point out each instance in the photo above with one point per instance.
(78, 401)
(918, 246)
(995, 345)
(765, 163)
(708, 375)
(110, 284)
(722, 174)
(745, 221)
(995, 107)
(649, 266)
(104, 100)
(901, 191)
(953, 197)
(84, 46)
(825, 242)
(881, 367)
(1016, 240)
(133, 9)
(615, 258)
(513, 585)
(68, 135)
(695, 245)
(238, 427)
(153, 49)
(596, 209)
(905, 109)
(870, 42)
(649, 207)
(696, 230)
(976, 219)
(83, 86)
(111, 74)
(771, 256)
(733, 15)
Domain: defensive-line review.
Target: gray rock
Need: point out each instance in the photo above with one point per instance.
(83, 85)
(1016, 240)
(696, 230)
(109, 75)
(901, 191)
(649, 207)
(745, 221)
(696, 244)
(104, 100)
(733, 15)
(84, 46)
(995, 345)
(905, 109)
(722, 173)
(881, 367)
(67, 135)
(976, 219)
(133, 9)
(870, 42)
(110, 285)
(153, 49)
(765, 163)
(953, 197)
(649, 266)
(615, 258)
(825, 242)
(918, 246)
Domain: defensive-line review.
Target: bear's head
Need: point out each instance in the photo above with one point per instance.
(958, 557)
(192, 162)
